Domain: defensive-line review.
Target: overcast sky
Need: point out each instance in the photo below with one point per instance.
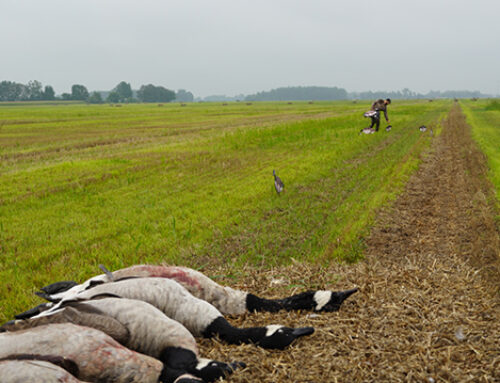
(237, 46)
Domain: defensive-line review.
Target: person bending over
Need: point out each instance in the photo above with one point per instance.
(377, 106)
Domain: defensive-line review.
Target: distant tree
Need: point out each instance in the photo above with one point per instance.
(66, 96)
(48, 93)
(79, 92)
(113, 97)
(124, 91)
(184, 96)
(151, 93)
(34, 90)
(95, 98)
(12, 91)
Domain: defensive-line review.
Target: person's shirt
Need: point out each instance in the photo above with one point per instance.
(380, 105)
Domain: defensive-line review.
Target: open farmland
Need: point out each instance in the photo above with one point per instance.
(82, 185)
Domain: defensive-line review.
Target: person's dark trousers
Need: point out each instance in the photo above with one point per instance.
(375, 121)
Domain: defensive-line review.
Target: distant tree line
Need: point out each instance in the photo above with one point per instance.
(123, 92)
(299, 93)
(34, 91)
(407, 94)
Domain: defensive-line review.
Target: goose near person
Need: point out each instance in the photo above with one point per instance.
(198, 316)
(37, 368)
(98, 356)
(278, 183)
(367, 131)
(227, 300)
(388, 128)
(147, 330)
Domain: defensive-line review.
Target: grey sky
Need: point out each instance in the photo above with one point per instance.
(238, 46)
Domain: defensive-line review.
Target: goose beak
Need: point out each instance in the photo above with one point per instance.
(337, 299)
(302, 331)
(346, 294)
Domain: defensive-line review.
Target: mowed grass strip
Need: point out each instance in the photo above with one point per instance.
(484, 118)
(203, 194)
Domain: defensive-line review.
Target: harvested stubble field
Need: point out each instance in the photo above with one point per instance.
(428, 308)
(193, 186)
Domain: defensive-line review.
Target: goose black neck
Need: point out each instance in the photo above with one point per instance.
(232, 335)
(255, 303)
(302, 301)
(177, 361)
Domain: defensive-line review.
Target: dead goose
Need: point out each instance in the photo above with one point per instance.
(422, 128)
(367, 131)
(388, 128)
(227, 300)
(38, 368)
(198, 316)
(148, 331)
(278, 183)
(99, 358)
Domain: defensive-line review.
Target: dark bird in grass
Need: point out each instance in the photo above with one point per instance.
(278, 183)
(388, 128)
(423, 128)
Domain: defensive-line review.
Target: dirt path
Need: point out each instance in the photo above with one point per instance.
(428, 309)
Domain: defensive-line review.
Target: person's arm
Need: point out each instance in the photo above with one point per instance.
(385, 114)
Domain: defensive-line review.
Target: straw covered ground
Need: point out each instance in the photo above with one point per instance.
(428, 309)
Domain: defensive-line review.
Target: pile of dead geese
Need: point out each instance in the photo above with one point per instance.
(139, 324)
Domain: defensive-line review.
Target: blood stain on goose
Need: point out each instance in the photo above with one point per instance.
(172, 273)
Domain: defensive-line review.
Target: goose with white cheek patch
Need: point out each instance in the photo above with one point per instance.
(98, 356)
(227, 300)
(198, 316)
(37, 368)
(148, 331)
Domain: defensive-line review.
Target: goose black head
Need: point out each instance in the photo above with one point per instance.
(329, 301)
(279, 337)
(178, 360)
(211, 370)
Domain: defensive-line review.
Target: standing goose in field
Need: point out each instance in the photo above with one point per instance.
(278, 183)
(37, 368)
(227, 300)
(198, 316)
(146, 330)
(98, 356)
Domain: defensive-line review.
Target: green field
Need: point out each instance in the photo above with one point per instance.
(82, 185)
(484, 117)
